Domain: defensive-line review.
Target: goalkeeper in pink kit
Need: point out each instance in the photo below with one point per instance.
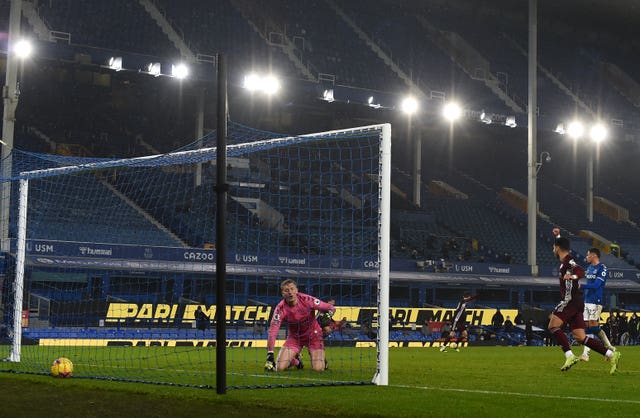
(297, 310)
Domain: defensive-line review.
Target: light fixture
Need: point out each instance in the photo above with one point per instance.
(409, 105)
(575, 129)
(328, 95)
(251, 82)
(271, 84)
(547, 159)
(485, 118)
(510, 122)
(154, 68)
(179, 71)
(115, 63)
(598, 132)
(23, 48)
(560, 129)
(370, 102)
(451, 111)
(268, 84)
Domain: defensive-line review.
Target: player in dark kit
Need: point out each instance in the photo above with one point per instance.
(570, 310)
(459, 325)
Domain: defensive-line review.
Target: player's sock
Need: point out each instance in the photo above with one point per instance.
(586, 350)
(295, 362)
(595, 345)
(561, 338)
(604, 339)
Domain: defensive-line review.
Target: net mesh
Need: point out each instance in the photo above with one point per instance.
(121, 252)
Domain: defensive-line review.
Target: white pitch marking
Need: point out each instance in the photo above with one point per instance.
(530, 395)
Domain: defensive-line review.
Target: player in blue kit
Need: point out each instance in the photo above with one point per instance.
(596, 276)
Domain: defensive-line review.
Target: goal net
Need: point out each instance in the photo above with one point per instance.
(110, 259)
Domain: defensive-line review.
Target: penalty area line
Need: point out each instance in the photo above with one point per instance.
(526, 395)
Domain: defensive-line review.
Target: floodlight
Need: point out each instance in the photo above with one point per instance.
(328, 95)
(23, 48)
(115, 63)
(560, 129)
(485, 118)
(154, 68)
(510, 122)
(598, 132)
(575, 129)
(179, 71)
(451, 111)
(409, 105)
(371, 103)
(270, 84)
(251, 82)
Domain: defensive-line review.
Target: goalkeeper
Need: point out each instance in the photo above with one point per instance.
(298, 311)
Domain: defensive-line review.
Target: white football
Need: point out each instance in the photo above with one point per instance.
(453, 345)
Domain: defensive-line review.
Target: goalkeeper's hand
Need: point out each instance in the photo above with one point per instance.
(270, 364)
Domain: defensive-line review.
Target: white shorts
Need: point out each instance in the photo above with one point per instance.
(592, 312)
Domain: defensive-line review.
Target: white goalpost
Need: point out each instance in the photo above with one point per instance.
(114, 256)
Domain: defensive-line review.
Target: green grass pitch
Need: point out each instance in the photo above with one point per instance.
(475, 382)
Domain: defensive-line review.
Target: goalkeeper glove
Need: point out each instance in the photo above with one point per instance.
(270, 365)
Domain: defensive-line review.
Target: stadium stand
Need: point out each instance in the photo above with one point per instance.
(485, 159)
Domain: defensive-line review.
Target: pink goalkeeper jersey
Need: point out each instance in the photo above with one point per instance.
(301, 318)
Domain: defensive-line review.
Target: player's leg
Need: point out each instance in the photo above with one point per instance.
(577, 328)
(464, 336)
(589, 313)
(595, 323)
(447, 338)
(556, 321)
(316, 352)
(287, 353)
(555, 329)
(317, 360)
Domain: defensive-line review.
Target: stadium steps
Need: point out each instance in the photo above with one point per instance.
(177, 40)
(142, 212)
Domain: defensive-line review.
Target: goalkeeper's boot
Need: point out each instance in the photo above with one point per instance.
(300, 365)
(614, 362)
(573, 359)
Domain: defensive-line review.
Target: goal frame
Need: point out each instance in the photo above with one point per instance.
(384, 218)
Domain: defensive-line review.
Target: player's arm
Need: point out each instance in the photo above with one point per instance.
(574, 272)
(274, 327)
(601, 277)
(598, 283)
(319, 305)
(326, 308)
